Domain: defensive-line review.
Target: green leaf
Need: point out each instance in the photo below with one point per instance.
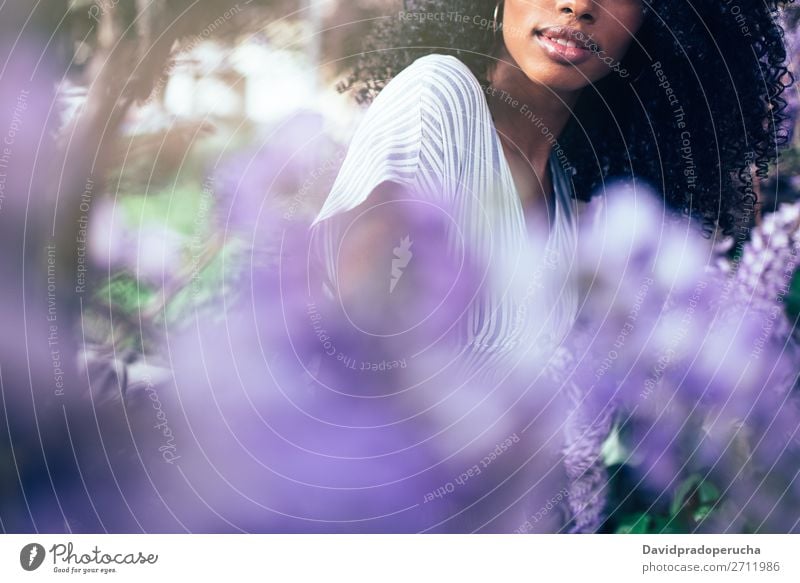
(126, 294)
(701, 492)
(666, 525)
(635, 524)
(682, 492)
(613, 450)
(702, 513)
(708, 492)
(793, 297)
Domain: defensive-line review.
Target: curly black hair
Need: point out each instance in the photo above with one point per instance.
(693, 109)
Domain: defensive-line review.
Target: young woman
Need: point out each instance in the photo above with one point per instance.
(509, 113)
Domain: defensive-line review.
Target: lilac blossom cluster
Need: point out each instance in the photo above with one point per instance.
(306, 411)
(690, 359)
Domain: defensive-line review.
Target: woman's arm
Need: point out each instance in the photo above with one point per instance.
(370, 235)
(395, 154)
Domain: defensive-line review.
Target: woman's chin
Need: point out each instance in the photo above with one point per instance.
(561, 78)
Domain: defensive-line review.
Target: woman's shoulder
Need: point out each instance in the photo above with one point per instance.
(444, 77)
(437, 67)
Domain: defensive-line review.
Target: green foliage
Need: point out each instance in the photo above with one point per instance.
(693, 500)
(793, 297)
(126, 294)
(202, 294)
(180, 209)
(127, 312)
(613, 450)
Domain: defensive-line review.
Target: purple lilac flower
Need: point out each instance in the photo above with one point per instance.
(762, 276)
(658, 342)
(287, 173)
(292, 419)
(152, 253)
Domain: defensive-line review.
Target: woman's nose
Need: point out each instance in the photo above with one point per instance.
(583, 10)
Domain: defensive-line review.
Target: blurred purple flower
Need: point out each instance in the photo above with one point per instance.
(152, 253)
(300, 416)
(685, 348)
(289, 172)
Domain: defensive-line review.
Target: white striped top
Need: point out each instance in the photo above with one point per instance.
(430, 129)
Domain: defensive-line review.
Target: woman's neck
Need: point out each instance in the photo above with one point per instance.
(526, 114)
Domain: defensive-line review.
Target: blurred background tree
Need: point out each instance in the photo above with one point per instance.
(157, 93)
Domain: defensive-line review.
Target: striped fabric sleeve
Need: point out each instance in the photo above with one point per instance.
(385, 147)
(398, 141)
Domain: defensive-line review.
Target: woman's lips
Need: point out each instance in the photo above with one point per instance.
(562, 46)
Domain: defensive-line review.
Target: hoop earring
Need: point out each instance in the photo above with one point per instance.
(495, 23)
